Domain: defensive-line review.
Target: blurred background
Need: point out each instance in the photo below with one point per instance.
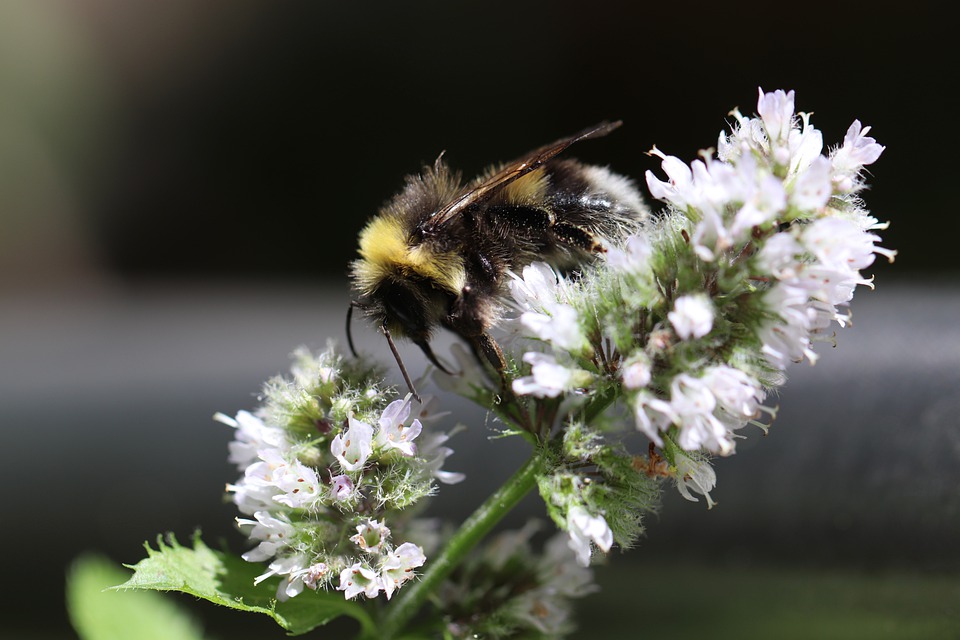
(181, 185)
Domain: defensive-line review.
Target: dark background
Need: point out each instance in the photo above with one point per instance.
(181, 185)
(253, 139)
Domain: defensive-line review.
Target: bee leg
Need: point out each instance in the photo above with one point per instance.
(428, 352)
(532, 222)
(486, 349)
(492, 353)
(574, 236)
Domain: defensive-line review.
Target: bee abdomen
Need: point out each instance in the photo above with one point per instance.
(522, 219)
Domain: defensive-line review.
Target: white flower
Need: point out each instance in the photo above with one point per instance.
(786, 338)
(258, 488)
(544, 611)
(839, 244)
(296, 576)
(288, 567)
(392, 433)
(358, 579)
(353, 447)
(692, 401)
(261, 472)
(559, 325)
(308, 369)
(857, 151)
(679, 190)
(776, 137)
(633, 258)
(371, 536)
(435, 455)
(747, 135)
(712, 189)
(314, 574)
(692, 316)
(341, 487)
(695, 474)
(398, 566)
(299, 484)
(274, 533)
(805, 146)
(584, 528)
(762, 195)
(470, 377)
(251, 498)
(565, 578)
(653, 415)
(779, 256)
(813, 187)
(538, 289)
(636, 371)
(711, 236)
(426, 410)
(737, 394)
(251, 436)
(549, 378)
(776, 112)
(545, 607)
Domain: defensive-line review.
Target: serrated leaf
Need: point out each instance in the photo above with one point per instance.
(227, 580)
(97, 614)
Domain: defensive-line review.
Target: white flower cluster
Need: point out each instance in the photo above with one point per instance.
(305, 486)
(693, 319)
(543, 298)
(537, 605)
(770, 172)
(393, 566)
(558, 579)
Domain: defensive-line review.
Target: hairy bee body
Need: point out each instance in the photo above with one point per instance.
(439, 253)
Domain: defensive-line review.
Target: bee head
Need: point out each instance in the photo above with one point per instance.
(407, 309)
(402, 308)
(404, 284)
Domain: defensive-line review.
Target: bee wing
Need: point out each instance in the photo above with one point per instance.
(512, 171)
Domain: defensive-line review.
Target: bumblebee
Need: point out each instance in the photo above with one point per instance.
(438, 254)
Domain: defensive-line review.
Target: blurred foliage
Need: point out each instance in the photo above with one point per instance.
(99, 614)
(229, 581)
(787, 603)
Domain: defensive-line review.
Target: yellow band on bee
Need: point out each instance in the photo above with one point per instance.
(385, 251)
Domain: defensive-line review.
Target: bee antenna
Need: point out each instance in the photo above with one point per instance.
(403, 369)
(353, 350)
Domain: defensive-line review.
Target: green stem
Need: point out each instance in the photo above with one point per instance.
(480, 523)
(598, 404)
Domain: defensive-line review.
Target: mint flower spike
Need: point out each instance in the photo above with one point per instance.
(692, 319)
(330, 452)
(769, 171)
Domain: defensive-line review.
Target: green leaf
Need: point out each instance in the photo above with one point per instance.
(97, 614)
(227, 580)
